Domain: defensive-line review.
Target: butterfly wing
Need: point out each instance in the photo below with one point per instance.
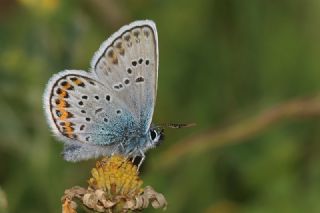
(81, 110)
(127, 63)
(112, 103)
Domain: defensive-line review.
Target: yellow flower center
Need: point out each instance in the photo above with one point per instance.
(116, 175)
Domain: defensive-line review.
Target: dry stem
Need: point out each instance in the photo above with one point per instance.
(242, 130)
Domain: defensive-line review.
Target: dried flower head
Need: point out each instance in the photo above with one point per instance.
(114, 187)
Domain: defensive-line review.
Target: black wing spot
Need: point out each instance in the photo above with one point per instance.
(105, 120)
(82, 127)
(146, 33)
(87, 138)
(66, 104)
(140, 79)
(98, 110)
(84, 97)
(92, 83)
(83, 111)
(80, 103)
(119, 45)
(64, 83)
(81, 84)
(111, 53)
(147, 62)
(118, 111)
(126, 81)
(58, 113)
(134, 63)
(57, 101)
(129, 70)
(119, 86)
(136, 33)
(70, 115)
(140, 61)
(88, 119)
(127, 37)
(59, 91)
(108, 98)
(96, 97)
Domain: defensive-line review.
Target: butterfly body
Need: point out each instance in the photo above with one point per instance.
(109, 109)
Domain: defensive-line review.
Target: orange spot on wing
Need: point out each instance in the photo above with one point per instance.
(69, 131)
(78, 81)
(67, 86)
(62, 104)
(68, 124)
(63, 94)
(64, 114)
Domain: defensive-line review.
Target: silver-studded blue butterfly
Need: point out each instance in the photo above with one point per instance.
(109, 109)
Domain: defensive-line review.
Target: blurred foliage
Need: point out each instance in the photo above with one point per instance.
(220, 61)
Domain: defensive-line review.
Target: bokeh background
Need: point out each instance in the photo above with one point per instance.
(247, 72)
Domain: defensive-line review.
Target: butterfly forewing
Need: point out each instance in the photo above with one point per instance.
(127, 63)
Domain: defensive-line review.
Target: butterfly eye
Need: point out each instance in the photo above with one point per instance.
(153, 134)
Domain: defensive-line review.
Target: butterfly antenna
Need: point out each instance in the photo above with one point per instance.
(178, 126)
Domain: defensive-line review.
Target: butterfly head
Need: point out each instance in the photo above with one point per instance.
(156, 135)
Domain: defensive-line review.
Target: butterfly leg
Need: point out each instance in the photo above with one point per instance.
(125, 157)
(143, 156)
(121, 144)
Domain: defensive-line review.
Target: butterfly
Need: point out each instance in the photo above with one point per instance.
(109, 109)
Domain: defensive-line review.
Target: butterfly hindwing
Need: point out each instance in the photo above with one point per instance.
(128, 64)
(81, 109)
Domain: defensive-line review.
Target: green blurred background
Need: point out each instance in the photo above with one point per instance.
(221, 62)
